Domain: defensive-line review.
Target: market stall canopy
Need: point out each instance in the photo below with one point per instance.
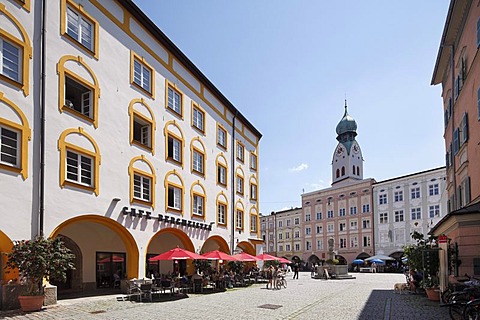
(381, 257)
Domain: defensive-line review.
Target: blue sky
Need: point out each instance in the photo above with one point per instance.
(288, 66)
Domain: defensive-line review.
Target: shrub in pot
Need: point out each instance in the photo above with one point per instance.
(36, 260)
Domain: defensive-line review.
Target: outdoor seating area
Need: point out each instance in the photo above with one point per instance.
(208, 278)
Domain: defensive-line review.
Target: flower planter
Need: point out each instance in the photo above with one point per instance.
(31, 303)
(433, 294)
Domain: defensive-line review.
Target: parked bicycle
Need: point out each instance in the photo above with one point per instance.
(281, 281)
(460, 302)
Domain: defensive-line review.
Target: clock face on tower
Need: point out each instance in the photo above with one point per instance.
(340, 150)
(356, 149)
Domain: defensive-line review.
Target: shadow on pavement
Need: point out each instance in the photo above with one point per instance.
(385, 304)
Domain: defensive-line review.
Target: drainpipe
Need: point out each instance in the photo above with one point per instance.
(42, 122)
(452, 121)
(232, 187)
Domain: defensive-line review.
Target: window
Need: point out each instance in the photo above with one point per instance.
(342, 226)
(174, 100)
(239, 220)
(10, 147)
(416, 213)
(142, 130)
(366, 224)
(341, 212)
(382, 199)
(434, 211)
(384, 217)
(415, 193)
(464, 128)
(478, 32)
(287, 247)
(253, 222)
(366, 208)
(353, 242)
(253, 191)
(198, 118)
(221, 137)
(319, 229)
(78, 96)
(478, 100)
(319, 244)
(79, 168)
(288, 222)
(353, 210)
(174, 198)
(330, 214)
(240, 152)
(280, 236)
(142, 74)
(456, 141)
(141, 187)
(307, 217)
(198, 161)
(398, 196)
(366, 241)
(399, 216)
(270, 236)
(308, 245)
(198, 205)
(222, 213)
(174, 146)
(308, 230)
(280, 224)
(10, 61)
(343, 243)
(287, 235)
(80, 29)
(142, 183)
(296, 221)
(221, 174)
(240, 185)
(353, 225)
(330, 228)
(319, 216)
(433, 189)
(297, 247)
(253, 159)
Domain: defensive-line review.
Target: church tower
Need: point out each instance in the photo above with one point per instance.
(347, 162)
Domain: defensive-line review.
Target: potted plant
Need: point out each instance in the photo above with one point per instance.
(431, 286)
(36, 260)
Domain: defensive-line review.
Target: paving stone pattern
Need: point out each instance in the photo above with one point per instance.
(369, 296)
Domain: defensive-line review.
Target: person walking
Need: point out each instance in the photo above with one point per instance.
(374, 267)
(295, 271)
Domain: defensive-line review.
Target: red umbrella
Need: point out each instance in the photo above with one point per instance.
(177, 254)
(283, 260)
(267, 257)
(114, 258)
(245, 257)
(218, 255)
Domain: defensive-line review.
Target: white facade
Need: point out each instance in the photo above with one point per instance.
(402, 205)
(134, 133)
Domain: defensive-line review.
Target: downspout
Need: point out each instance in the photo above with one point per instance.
(452, 61)
(232, 188)
(42, 122)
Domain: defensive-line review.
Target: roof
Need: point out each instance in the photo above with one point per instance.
(410, 175)
(472, 208)
(183, 59)
(453, 25)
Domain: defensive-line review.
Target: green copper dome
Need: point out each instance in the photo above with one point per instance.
(347, 124)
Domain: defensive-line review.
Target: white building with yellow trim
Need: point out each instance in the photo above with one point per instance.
(112, 139)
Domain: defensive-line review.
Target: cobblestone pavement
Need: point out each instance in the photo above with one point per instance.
(369, 296)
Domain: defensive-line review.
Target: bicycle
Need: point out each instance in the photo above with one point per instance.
(281, 282)
(472, 310)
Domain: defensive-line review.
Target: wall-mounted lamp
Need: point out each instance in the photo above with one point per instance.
(116, 199)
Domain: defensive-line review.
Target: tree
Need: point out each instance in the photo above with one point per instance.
(38, 259)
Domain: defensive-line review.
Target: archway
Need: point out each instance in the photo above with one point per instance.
(363, 256)
(215, 243)
(341, 259)
(96, 238)
(247, 247)
(164, 240)
(74, 277)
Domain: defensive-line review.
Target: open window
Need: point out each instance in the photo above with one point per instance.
(142, 125)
